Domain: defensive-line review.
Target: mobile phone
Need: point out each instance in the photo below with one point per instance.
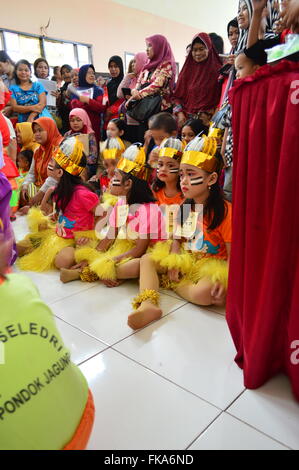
(126, 91)
(224, 56)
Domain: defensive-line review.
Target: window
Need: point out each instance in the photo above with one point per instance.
(22, 47)
(59, 53)
(56, 52)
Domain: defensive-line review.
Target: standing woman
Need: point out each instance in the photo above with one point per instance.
(130, 81)
(197, 91)
(116, 70)
(47, 135)
(158, 74)
(233, 33)
(7, 68)
(28, 99)
(93, 106)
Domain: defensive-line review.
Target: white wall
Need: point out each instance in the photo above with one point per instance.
(205, 15)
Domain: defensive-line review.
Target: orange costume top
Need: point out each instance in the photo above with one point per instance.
(162, 199)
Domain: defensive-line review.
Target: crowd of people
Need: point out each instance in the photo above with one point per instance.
(181, 182)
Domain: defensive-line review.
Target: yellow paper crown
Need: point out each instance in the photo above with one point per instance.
(133, 160)
(69, 155)
(201, 152)
(171, 148)
(113, 148)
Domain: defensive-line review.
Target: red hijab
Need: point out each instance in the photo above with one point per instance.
(197, 87)
(43, 154)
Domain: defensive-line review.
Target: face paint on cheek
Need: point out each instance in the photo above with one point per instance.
(116, 182)
(196, 181)
(50, 168)
(174, 170)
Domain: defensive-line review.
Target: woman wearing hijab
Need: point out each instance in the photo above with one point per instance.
(116, 70)
(92, 104)
(197, 91)
(25, 137)
(80, 124)
(130, 81)
(158, 74)
(47, 135)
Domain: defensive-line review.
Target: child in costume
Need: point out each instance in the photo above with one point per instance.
(194, 263)
(75, 205)
(135, 223)
(111, 151)
(45, 402)
(166, 187)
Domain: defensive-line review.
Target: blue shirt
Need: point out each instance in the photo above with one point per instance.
(29, 98)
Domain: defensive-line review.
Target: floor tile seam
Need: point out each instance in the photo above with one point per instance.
(259, 430)
(50, 303)
(205, 429)
(81, 331)
(167, 379)
(93, 356)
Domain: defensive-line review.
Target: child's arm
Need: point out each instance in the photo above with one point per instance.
(136, 252)
(174, 274)
(255, 25)
(105, 244)
(46, 206)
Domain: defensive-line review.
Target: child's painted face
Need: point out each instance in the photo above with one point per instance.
(23, 73)
(113, 130)
(53, 170)
(233, 36)
(40, 135)
(90, 76)
(199, 52)
(42, 70)
(168, 169)
(119, 186)
(76, 123)
(66, 75)
(195, 182)
(22, 163)
(149, 50)
(114, 69)
(188, 134)
(244, 66)
(75, 78)
(243, 16)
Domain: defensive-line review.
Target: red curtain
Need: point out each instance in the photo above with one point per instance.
(263, 296)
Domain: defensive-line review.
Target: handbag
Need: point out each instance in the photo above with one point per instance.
(142, 110)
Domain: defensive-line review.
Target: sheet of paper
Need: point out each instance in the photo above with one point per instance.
(49, 86)
(88, 92)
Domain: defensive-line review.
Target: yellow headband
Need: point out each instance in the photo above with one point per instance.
(171, 153)
(206, 159)
(114, 153)
(133, 166)
(70, 163)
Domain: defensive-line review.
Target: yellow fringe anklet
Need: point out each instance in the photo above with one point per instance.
(147, 294)
(88, 276)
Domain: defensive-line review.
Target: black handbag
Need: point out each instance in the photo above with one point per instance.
(142, 110)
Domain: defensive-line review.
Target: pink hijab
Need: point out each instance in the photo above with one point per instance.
(82, 114)
(140, 61)
(162, 53)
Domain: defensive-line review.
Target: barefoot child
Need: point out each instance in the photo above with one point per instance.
(194, 263)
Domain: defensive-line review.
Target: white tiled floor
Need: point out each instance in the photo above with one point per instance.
(172, 385)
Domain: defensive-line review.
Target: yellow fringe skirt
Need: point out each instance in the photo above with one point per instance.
(191, 267)
(102, 263)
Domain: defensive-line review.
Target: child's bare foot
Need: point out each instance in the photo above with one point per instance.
(145, 314)
(69, 275)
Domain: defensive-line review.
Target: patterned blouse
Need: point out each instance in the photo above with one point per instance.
(158, 81)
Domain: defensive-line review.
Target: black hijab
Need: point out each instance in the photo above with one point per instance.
(113, 84)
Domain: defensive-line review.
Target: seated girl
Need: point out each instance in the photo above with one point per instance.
(191, 129)
(135, 223)
(111, 152)
(49, 246)
(195, 262)
(37, 182)
(25, 136)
